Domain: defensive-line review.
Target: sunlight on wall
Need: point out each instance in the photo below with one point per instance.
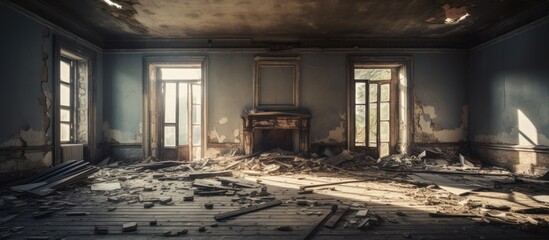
(528, 134)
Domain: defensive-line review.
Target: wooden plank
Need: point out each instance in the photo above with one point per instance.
(335, 217)
(330, 184)
(50, 188)
(197, 175)
(311, 231)
(59, 171)
(26, 187)
(237, 182)
(447, 184)
(223, 216)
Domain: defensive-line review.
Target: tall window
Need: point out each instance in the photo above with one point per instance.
(66, 100)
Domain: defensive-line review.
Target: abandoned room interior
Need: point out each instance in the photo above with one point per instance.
(274, 119)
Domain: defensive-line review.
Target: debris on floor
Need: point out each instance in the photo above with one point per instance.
(231, 188)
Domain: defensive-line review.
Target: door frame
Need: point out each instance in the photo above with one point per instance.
(152, 114)
(400, 141)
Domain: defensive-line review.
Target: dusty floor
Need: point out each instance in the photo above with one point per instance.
(398, 208)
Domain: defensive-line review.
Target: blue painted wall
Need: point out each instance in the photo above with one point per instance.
(122, 97)
(23, 45)
(509, 79)
(21, 63)
(439, 78)
(440, 101)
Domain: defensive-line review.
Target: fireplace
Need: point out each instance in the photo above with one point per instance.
(268, 130)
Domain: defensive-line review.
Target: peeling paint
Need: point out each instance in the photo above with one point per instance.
(454, 14)
(236, 135)
(223, 120)
(215, 137)
(428, 130)
(14, 141)
(125, 12)
(32, 137)
(29, 137)
(118, 136)
(337, 134)
(45, 99)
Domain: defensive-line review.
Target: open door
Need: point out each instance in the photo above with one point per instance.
(181, 112)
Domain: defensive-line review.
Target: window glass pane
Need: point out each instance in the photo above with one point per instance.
(197, 153)
(384, 131)
(196, 135)
(373, 125)
(65, 115)
(65, 71)
(65, 132)
(196, 114)
(181, 73)
(169, 136)
(360, 124)
(384, 111)
(372, 74)
(169, 103)
(360, 93)
(183, 114)
(384, 94)
(65, 95)
(197, 94)
(384, 149)
(373, 92)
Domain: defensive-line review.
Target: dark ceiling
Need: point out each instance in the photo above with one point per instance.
(288, 23)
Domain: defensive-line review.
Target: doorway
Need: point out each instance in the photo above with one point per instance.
(378, 105)
(181, 125)
(174, 108)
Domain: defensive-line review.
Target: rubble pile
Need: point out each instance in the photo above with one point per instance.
(431, 177)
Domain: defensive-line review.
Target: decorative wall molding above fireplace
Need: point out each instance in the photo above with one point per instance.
(276, 83)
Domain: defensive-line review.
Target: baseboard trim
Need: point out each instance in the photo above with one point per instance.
(509, 147)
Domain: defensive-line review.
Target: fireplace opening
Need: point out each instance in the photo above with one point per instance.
(268, 139)
(264, 131)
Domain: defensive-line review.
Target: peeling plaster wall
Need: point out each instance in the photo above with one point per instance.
(509, 96)
(230, 92)
(440, 104)
(25, 95)
(439, 82)
(122, 93)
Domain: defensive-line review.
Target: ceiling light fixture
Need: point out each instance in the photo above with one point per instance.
(113, 4)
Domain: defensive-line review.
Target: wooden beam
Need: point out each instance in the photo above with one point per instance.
(330, 184)
(196, 175)
(223, 216)
(335, 217)
(311, 231)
